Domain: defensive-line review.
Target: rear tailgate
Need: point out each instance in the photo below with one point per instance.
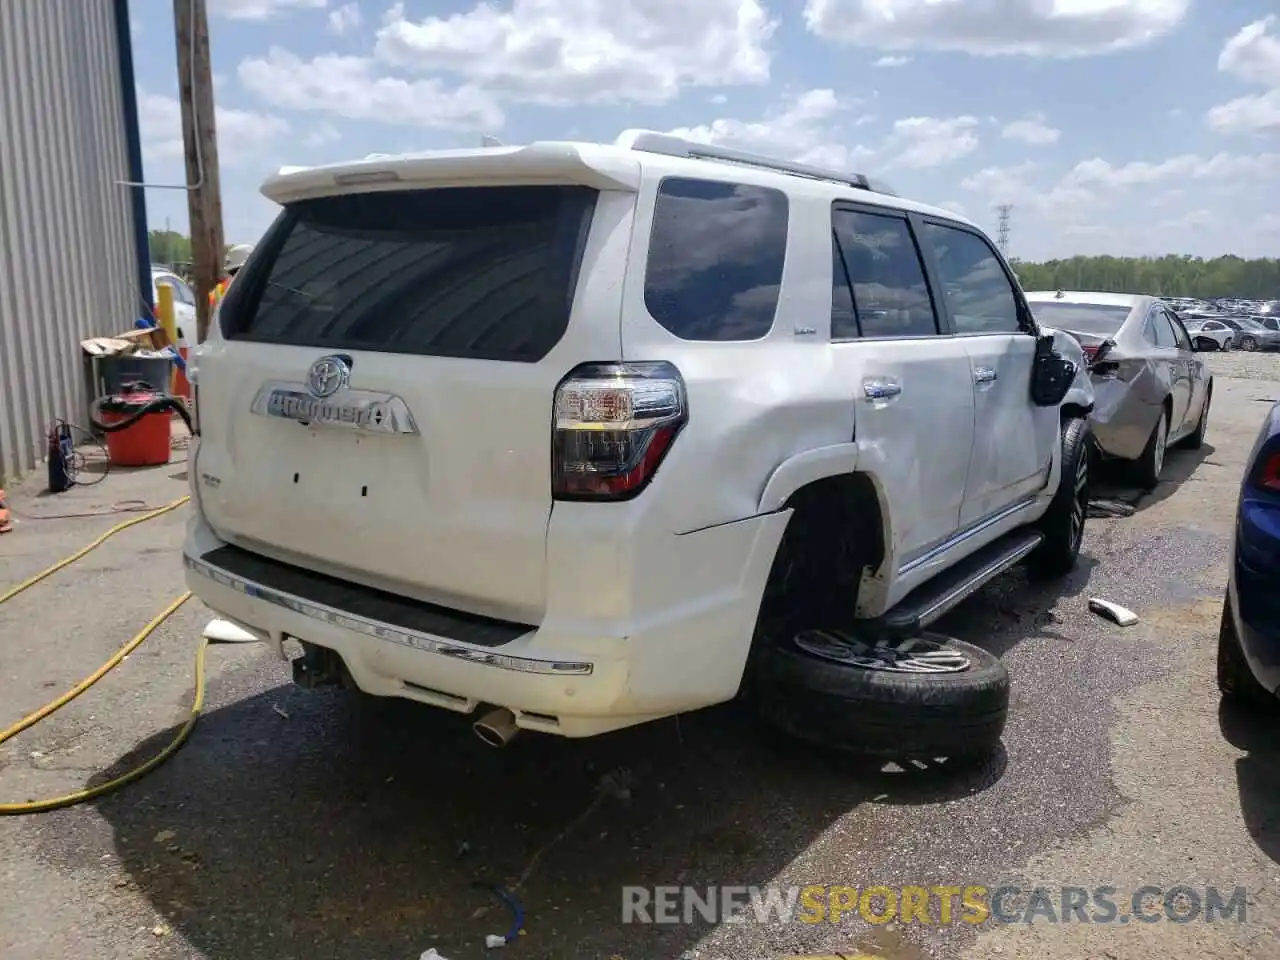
(443, 319)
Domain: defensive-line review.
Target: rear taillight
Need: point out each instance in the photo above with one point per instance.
(614, 423)
(1267, 472)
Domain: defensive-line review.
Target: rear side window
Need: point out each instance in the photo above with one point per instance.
(1163, 330)
(716, 252)
(973, 281)
(890, 295)
(484, 273)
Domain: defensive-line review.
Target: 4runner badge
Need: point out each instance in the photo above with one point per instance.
(364, 410)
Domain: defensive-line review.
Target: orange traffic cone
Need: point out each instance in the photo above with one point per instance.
(5, 523)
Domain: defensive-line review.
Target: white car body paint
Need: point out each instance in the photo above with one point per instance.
(636, 609)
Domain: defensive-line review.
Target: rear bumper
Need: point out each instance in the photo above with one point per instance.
(1255, 602)
(1120, 421)
(575, 674)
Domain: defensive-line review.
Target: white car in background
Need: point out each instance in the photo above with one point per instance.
(1205, 332)
(184, 303)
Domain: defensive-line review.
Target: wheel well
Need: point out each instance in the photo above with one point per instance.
(1075, 411)
(1167, 403)
(835, 533)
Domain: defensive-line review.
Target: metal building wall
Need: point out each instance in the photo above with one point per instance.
(68, 262)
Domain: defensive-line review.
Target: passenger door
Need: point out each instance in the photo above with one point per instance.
(1177, 369)
(914, 404)
(1190, 369)
(1014, 439)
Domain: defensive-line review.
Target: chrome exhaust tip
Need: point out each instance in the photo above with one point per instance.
(497, 728)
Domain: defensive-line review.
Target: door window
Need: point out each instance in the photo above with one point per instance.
(977, 289)
(1163, 330)
(181, 292)
(1180, 335)
(887, 287)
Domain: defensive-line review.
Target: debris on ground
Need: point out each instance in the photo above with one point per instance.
(1104, 509)
(1122, 616)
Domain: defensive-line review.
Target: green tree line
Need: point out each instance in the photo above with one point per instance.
(1167, 276)
(169, 247)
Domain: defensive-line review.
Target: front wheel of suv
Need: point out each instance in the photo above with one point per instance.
(1062, 525)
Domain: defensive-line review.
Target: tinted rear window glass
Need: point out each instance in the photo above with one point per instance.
(1102, 319)
(716, 252)
(479, 272)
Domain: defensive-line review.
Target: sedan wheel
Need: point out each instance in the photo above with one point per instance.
(1248, 343)
(1151, 463)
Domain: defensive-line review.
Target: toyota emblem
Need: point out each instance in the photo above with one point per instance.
(327, 376)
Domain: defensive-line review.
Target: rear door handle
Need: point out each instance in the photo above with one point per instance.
(984, 375)
(881, 389)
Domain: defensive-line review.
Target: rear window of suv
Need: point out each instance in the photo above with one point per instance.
(716, 252)
(483, 273)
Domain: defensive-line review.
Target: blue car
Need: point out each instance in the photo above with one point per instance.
(1249, 641)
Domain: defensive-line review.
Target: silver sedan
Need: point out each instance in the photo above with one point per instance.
(1151, 388)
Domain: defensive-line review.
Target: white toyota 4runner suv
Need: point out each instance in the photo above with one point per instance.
(577, 436)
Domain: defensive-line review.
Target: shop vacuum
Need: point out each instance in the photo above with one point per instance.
(112, 415)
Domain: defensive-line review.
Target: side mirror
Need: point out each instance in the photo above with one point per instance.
(1051, 379)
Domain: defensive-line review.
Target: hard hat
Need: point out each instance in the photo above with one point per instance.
(237, 255)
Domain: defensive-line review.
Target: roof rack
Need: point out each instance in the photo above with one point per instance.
(651, 142)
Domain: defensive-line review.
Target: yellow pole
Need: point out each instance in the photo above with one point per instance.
(170, 326)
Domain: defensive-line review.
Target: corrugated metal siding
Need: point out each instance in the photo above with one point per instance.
(67, 254)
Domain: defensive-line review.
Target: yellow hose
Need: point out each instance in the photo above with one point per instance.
(80, 796)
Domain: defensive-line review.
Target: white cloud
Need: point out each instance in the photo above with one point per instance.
(931, 142)
(1246, 114)
(1034, 131)
(1047, 28)
(261, 9)
(1095, 188)
(1251, 55)
(351, 87)
(892, 62)
(1001, 184)
(1220, 168)
(345, 19)
(807, 129)
(322, 134)
(243, 135)
(564, 52)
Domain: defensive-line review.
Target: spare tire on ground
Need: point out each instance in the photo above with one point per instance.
(925, 698)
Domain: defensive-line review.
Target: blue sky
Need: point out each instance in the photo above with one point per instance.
(1125, 127)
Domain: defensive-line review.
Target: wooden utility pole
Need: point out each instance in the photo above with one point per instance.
(200, 142)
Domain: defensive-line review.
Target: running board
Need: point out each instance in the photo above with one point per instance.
(929, 601)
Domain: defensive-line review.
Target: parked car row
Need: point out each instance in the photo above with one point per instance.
(1239, 331)
(626, 430)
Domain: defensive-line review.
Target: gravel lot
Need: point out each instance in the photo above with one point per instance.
(310, 826)
(1244, 365)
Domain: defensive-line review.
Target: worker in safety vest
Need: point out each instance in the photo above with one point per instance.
(236, 257)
